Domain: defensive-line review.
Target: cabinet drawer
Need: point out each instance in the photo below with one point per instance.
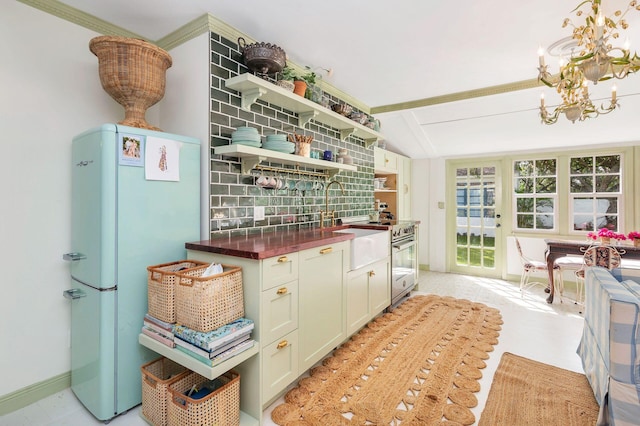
(279, 269)
(279, 365)
(279, 307)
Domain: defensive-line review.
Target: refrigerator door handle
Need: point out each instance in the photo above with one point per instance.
(70, 257)
(74, 293)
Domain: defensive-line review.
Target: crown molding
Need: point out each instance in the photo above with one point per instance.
(71, 14)
(199, 26)
(459, 96)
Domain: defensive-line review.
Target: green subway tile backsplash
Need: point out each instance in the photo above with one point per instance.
(234, 196)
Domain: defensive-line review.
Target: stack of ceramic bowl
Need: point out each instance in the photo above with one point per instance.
(279, 143)
(246, 136)
(343, 155)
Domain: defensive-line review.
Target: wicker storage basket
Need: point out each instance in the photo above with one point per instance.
(157, 376)
(133, 73)
(206, 303)
(221, 407)
(161, 287)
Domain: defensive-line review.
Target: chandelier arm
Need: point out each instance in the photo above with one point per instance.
(595, 63)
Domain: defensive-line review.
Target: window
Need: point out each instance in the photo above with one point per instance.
(595, 192)
(535, 194)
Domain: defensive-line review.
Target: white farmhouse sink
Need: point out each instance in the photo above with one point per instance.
(369, 245)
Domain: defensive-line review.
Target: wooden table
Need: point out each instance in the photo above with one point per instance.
(559, 248)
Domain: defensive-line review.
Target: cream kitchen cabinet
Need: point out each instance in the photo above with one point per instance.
(322, 311)
(404, 188)
(368, 293)
(298, 304)
(385, 161)
(396, 169)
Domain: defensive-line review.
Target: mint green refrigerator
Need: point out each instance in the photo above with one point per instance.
(135, 202)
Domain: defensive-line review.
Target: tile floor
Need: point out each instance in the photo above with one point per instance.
(532, 328)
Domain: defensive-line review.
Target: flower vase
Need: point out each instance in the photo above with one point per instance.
(605, 241)
(636, 242)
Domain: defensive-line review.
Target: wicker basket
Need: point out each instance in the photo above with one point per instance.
(132, 72)
(221, 407)
(157, 376)
(207, 303)
(161, 287)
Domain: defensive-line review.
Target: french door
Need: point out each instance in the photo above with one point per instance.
(474, 231)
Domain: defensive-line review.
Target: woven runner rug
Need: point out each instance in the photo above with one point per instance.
(418, 365)
(526, 392)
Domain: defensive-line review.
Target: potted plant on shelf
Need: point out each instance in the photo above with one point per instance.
(285, 78)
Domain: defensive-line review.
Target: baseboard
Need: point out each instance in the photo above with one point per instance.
(26, 396)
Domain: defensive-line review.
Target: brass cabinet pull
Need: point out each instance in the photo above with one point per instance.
(282, 259)
(282, 344)
(372, 273)
(282, 290)
(326, 250)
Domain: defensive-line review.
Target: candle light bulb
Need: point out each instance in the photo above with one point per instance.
(613, 93)
(542, 100)
(541, 56)
(627, 44)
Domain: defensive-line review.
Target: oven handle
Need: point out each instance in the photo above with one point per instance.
(405, 245)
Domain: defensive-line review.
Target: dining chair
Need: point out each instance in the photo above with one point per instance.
(529, 266)
(567, 263)
(604, 256)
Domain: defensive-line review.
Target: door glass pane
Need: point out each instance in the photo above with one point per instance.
(462, 236)
(476, 216)
(488, 258)
(462, 258)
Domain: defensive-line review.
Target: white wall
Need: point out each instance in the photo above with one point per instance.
(437, 218)
(185, 107)
(49, 92)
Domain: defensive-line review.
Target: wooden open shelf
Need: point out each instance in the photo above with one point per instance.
(253, 88)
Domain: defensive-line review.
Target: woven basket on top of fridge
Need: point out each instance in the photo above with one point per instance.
(206, 303)
(157, 376)
(221, 407)
(161, 287)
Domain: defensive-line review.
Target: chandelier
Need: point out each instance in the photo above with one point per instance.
(593, 59)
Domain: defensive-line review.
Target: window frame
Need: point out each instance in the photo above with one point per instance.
(619, 195)
(535, 196)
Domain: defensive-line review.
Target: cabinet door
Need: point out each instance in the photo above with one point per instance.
(385, 161)
(358, 312)
(279, 365)
(322, 296)
(379, 286)
(279, 309)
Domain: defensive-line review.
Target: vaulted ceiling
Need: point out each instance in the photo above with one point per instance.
(446, 79)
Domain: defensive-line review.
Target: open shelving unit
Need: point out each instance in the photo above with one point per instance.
(253, 88)
(251, 157)
(203, 369)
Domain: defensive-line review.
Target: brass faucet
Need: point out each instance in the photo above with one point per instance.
(326, 214)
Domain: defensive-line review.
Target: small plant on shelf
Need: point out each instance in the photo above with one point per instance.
(286, 77)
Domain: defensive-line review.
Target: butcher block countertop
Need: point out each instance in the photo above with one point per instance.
(276, 243)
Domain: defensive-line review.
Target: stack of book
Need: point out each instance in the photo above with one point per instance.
(158, 330)
(215, 346)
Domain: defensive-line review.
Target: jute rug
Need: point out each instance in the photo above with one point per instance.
(418, 365)
(526, 392)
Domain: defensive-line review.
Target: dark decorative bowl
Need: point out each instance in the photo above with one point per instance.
(342, 109)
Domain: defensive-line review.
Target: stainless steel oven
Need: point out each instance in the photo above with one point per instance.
(404, 262)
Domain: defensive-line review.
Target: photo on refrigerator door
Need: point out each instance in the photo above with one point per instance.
(131, 150)
(162, 159)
